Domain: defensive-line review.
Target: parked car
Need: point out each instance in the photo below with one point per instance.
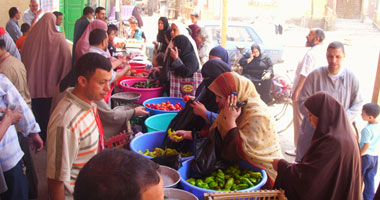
(242, 37)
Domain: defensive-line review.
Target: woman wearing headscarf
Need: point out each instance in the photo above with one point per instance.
(163, 36)
(219, 52)
(178, 28)
(258, 68)
(205, 105)
(330, 169)
(83, 43)
(205, 45)
(246, 133)
(47, 60)
(181, 58)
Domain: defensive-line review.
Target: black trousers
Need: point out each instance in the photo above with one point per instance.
(41, 111)
(263, 88)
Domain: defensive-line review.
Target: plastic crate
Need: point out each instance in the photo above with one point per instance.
(256, 195)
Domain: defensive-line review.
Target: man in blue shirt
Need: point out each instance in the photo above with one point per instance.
(12, 25)
(11, 153)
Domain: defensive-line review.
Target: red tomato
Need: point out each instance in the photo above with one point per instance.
(168, 102)
(186, 98)
(171, 107)
(152, 105)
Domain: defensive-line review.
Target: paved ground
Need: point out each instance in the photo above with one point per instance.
(362, 50)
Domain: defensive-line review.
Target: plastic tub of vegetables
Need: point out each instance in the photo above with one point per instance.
(149, 145)
(238, 177)
(145, 87)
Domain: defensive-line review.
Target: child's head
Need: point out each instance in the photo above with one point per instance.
(25, 28)
(133, 23)
(112, 31)
(370, 111)
(159, 61)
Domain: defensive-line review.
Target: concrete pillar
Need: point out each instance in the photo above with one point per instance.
(376, 88)
(224, 23)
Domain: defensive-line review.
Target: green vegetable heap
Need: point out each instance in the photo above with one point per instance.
(144, 84)
(164, 152)
(231, 179)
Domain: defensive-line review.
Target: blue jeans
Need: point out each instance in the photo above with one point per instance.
(369, 168)
(17, 184)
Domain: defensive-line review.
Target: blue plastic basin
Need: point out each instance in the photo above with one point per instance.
(159, 100)
(150, 141)
(185, 171)
(159, 122)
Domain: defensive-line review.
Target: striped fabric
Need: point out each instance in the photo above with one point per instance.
(179, 86)
(72, 140)
(10, 151)
(47, 5)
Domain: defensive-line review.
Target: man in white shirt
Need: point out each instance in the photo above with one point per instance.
(339, 82)
(32, 15)
(59, 20)
(314, 57)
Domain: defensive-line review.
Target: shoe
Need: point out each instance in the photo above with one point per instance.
(291, 152)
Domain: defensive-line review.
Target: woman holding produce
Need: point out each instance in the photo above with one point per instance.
(247, 133)
(330, 169)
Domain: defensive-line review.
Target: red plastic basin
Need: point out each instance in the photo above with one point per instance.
(146, 93)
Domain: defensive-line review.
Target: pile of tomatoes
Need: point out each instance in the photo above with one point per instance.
(165, 106)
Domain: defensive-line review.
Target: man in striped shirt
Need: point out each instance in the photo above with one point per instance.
(10, 151)
(75, 133)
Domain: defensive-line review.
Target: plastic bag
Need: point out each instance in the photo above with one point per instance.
(184, 120)
(173, 161)
(207, 154)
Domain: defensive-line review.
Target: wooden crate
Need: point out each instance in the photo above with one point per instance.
(257, 194)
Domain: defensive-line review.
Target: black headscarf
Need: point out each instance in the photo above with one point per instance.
(330, 169)
(187, 54)
(256, 46)
(221, 53)
(161, 34)
(210, 71)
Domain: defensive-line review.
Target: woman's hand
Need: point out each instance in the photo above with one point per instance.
(182, 134)
(140, 111)
(174, 53)
(231, 111)
(275, 164)
(199, 109)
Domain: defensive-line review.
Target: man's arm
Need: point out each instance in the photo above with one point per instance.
(37, 14)
(56, 189)
(356, 102)
(364, 148)
(299, 86)
(10, 117)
